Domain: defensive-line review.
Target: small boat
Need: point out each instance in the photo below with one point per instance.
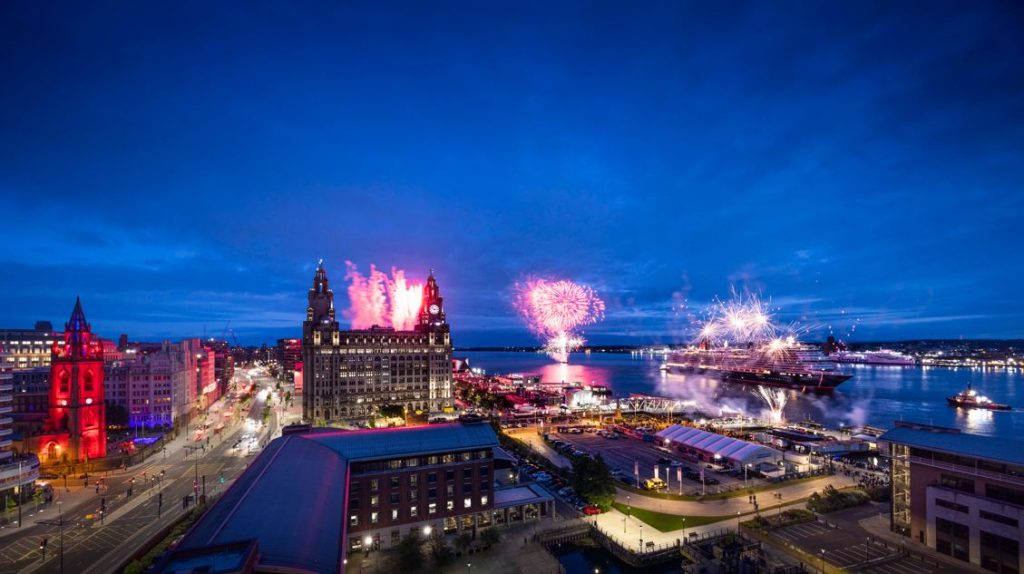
(970, 399)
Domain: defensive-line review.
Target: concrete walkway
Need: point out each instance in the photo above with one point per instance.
(730, 506)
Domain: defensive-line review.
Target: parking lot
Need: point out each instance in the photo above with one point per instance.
(844, 548)
(620, 454)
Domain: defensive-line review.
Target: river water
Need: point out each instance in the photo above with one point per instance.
(876, 395)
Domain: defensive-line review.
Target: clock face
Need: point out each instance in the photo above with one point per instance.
(434, 309)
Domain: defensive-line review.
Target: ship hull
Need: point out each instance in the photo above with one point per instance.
(817, 382)
(988, 406)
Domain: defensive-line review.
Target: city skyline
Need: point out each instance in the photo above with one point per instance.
(856, 165)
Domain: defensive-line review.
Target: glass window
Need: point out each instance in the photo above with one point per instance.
(483, 500)
(394, 514)
(413, 511)
(414, 480)
(432, 459)
(394, 498)
(451, 505)
(375, 501)
(467, 473)
(467, 503)
(432, 508)
(394, 482)
(448, 458)
(374, 518)
(467, 456)
(432, 477)
(374, 484)
(353, 520)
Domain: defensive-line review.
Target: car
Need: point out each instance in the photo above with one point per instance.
(565, 491)
(580, 505)
(653, 484)
(591, 510)
(676, 464)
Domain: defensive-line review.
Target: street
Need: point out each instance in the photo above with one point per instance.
(92, 545)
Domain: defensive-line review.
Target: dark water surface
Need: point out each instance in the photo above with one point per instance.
(876, 395)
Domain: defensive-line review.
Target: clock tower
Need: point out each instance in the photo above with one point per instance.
(432, 309)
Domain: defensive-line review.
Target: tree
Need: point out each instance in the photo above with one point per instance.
(592, 480)
(439, 550)
(490, 536)
(409, 554)
(462, 541)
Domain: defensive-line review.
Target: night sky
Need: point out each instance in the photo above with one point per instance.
(182, 165)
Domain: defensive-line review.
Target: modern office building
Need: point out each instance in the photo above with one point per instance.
(28, 348)
(331, 492)
(959, 493)
(352, 375)
(289, 352)
(18, 471)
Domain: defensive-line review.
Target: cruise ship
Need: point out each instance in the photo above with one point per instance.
(881, 357)
(795, 366)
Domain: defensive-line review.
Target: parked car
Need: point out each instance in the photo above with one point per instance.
(591, 510)
(653, 484)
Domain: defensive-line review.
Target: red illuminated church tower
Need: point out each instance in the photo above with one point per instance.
(76, 428)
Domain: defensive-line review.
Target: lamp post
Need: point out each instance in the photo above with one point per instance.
(822, 561)
(867, 549)
(641, 537)
(683, 535)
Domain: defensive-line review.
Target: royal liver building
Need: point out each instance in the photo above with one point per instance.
(350, 376)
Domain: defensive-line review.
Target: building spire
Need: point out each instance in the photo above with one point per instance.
(77, 322)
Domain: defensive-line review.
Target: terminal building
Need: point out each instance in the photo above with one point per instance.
(959, 493)
(331, 492)
(361, 374)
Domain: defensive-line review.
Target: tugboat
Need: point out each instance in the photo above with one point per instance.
(970, 399)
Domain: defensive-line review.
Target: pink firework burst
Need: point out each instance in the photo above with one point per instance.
(377, 299)
(556, 308)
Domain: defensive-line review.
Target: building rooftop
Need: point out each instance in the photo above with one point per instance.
(952, 441)
(402, 441)
(526, 494)
(729, 448)
(300, 484)
(292, 498)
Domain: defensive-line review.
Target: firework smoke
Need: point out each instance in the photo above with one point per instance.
(377, 299)
(554, 309)
(776, 400)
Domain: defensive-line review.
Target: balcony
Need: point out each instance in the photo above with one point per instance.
(968, 470)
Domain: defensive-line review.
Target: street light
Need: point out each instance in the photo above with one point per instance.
(822, 561)
(427, 530)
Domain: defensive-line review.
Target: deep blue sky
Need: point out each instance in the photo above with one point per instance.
(182, 165)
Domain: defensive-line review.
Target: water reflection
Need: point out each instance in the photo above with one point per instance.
(875, 395)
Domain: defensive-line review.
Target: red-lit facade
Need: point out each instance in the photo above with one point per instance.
(75, 429)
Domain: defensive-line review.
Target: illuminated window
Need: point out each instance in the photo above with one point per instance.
(375, 501)
(414, 511)
(451, 505)
(467, 503)
(432, 508)
(353, 520)
(483, 500)
(374, 484)
(394, 514)
(467, 456)
(374, 518)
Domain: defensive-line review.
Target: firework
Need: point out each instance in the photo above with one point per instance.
(379, 300)
(554, 309)
(776, 400)
(743, 319)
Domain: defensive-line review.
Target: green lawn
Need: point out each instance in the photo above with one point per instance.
(730, 494)
(667, 522)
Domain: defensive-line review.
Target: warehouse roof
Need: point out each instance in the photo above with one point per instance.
(739, 451)
(402, 441)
